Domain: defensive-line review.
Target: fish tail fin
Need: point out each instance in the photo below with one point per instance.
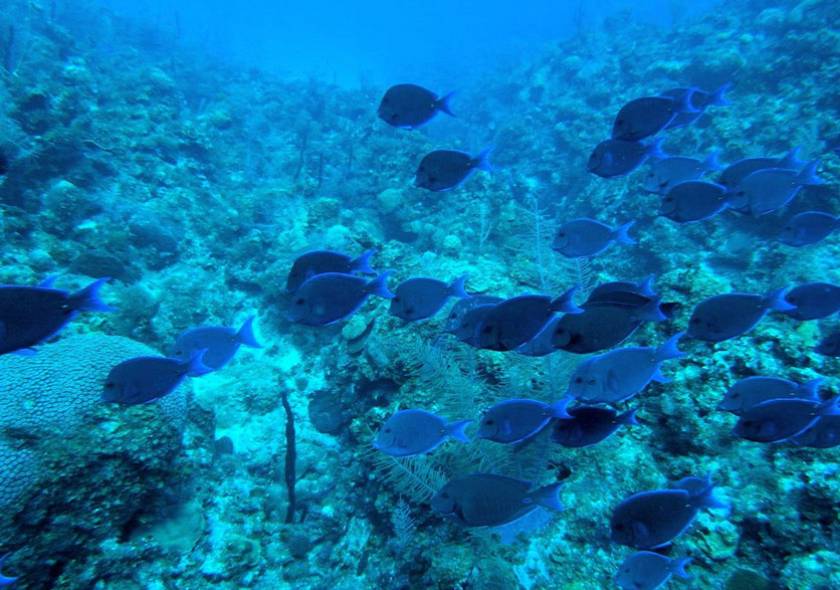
(564, 303)
(808, 175)
(456, 289)
(718, 97)
(482, 160)
(712, 162)
(685, 104)
(195, 366)
(645, 286)
(379, 286)
(558, 408)
(830, 407)
(705, 497)
(669, 308)
(88, 299)
(651, 311)
(775, 301)
(456, 430)
(628, 418)
(444, 103)
(362, 263)
(654, 149)
(668, 349)
(811, 389)
(246, 336)
(678, 566)
(48, 282)
(791, 159)
(621, 236)
(547, 497)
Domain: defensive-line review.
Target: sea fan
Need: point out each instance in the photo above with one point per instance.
(403, 524)
(417, 478)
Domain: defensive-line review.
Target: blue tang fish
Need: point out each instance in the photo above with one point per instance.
(666, 173)
(728, 316)
(443, 170)
(322, 261)
(467, 315)
(769, 189)
(752, 391)
(781, 419)
(605, 291)
(145, 379)
(646, 570)
(586, 237)
(414, 432)
(603, 324)
(330, 297)
(829, 346)
(700, 101)
(824, 434)
(620, 374)
(813, 301)
(409, 106)
(515, 420)
(694, 200)
(617, 157)
(32, 315)
(487, 500)
(652, 519)
(515, 321)
(421, 298)
(808, 227)
(589, 425)
(219, 342)
(647, 116)
(733, 174)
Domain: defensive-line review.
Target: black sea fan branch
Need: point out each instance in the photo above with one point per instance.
(291, 456)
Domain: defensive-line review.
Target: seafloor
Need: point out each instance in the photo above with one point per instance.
(194, 185)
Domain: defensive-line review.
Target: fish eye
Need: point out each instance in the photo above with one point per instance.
(561, 234)
(299, 301)
(486, 329)
(445, 495)
(489, 422)
(394, 117)
(579, 380)
(619, 526)
(387, 431)
(109, 385)
(396, 299)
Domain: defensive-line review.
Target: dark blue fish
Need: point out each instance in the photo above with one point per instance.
(646, 570)
(415, 432)
(322, 261)
(620, 374)
(738, 171)
(586, 237)
(443, 170)
(469, 314)
(515, 420)
(590, 425)
(694, 200)
(647, 116)
(409, 106)
(145, 379)
(515, 321)
(813, 301)
(649, 520)
(752, 391)
(769, 189)
(824, 434)
(605, 292)
(781, 419)
(728, 316)
(700, 100)
(330, 297)
(666, 173)
(484, 499)
(616, 157)
(421, 298)
(829, 346)
(808, 227)
(463, 306)
(4, 579)
(32, 315)
(219, 342)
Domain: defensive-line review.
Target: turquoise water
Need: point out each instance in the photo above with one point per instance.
(192, 156)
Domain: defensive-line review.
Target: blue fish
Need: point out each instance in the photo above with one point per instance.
(694, 200)
(515, 321)
(421, 298)
(647, 116)
(4, 579)
(515, 420)
(652, 519)
(666, 173)
(620, 374)
(443, 170)
(589, 425)
(769, 189)
(646, 570)
(31, 315)
(463, 306)
(330, 297)
(409, 106)
(604, 323)
(586, 237)
(219, 342)
(752, 391)
(605, 292)
(824, 434)
(467, 315)
(808, 227)
(738, 171)
(415, 432)
(145, 379)
(700, 101)
(813, 301)
(487, 500)
(322, 261)
(728, 316)
(829, 346)
(617, 157)
(781, 419)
